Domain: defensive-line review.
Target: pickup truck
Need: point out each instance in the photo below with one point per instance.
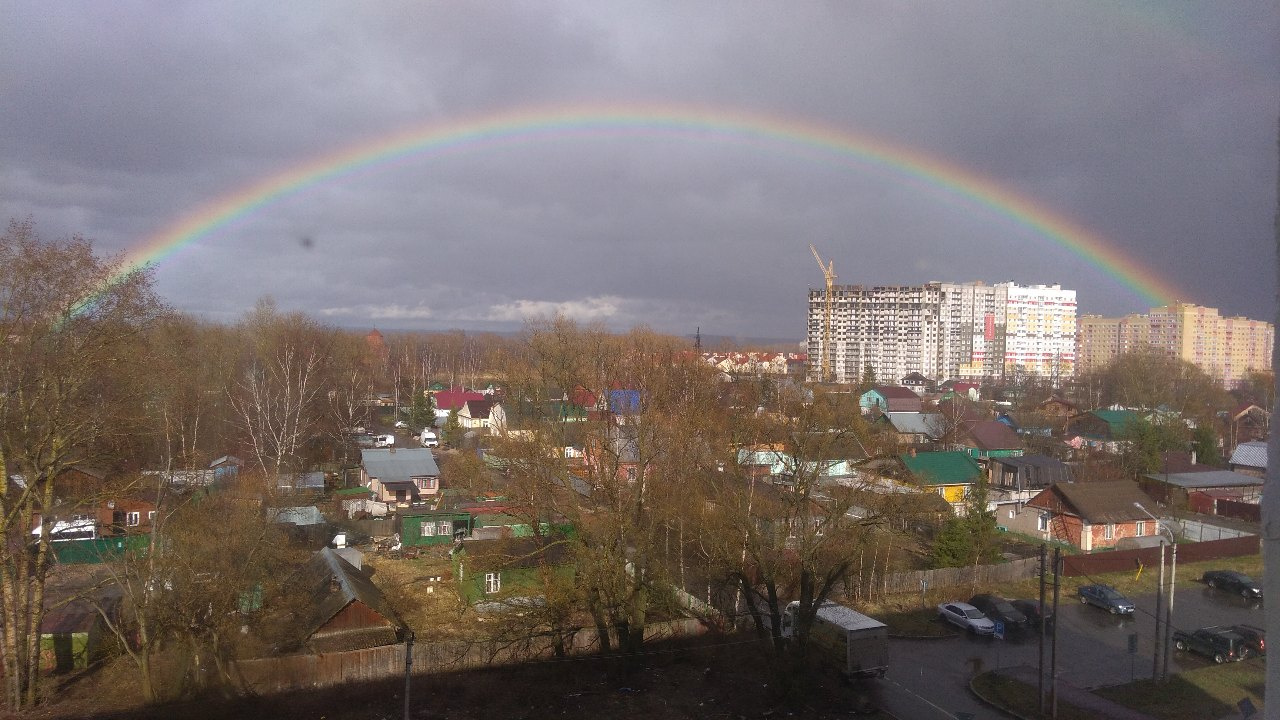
(1212, 642)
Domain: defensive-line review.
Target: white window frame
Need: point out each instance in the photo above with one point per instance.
(1109, 531)
(1042, 522)
(444, 527)
(492, 582)
(1140, 528)
(133, 518)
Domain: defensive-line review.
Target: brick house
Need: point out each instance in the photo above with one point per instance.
(1092, 515)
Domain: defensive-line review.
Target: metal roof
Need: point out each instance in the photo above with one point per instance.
(390, 465)
(1210, 479)
(1253, 454)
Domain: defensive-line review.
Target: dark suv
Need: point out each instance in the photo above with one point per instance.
(1233, 582)
(1213, 642)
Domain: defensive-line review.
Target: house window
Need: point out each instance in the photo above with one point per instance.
(444, 527)
(631, 474)
(492, 582)
(1042, 522)
(133, 519)
(1140, 528)
(1109, 531)
(425, 483)
(428, 529)
(151, 516)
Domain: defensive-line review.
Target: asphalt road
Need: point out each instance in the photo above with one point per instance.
(929, 678)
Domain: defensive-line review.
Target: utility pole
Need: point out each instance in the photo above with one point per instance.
(1044, 552)
(1168, 621)
(1155, 662)
(1053, 664)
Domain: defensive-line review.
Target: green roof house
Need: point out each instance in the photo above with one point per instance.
(950, 473)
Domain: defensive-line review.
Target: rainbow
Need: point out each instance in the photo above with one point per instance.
(691, 122)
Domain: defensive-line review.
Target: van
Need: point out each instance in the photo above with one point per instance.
(384, 441)
(428, 439)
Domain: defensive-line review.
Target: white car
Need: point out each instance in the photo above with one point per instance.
(401, 424)
(966, 617)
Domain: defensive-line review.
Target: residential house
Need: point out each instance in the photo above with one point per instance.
(447, 401)
(890, 398)
(949, 473)
(1092, 515)
(970, 391)
(443, 527)
(1101, 429)
(915, 428)
(475, 413)
(991, 439)
(1012, 481)
(405, 476)
(917, 383)
(1245, 423)
(1249, 458)
(507, 572)
(106, 517)
(341, 608)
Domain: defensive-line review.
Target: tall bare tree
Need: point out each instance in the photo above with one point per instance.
(69, 373)
(275, 397)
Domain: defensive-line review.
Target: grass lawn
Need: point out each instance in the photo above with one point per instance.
(1020, 697)
(1209, 692)
(917, 623)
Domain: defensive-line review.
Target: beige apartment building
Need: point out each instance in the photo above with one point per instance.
(1224, 347)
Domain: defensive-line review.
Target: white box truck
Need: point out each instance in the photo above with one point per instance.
(857, 643)
(428, 439)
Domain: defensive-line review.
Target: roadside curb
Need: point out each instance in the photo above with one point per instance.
(991, 703)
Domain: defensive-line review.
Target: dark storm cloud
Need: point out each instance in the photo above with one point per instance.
(1152, 127)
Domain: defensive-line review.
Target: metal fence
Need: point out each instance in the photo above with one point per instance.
(1197, 531)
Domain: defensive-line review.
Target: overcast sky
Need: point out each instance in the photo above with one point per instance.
(1150, 125)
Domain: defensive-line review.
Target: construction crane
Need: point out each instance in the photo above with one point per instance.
(828, 272)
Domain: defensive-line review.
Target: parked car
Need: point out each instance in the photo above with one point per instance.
(1000, 610)
(1107, 598)
(402, 424)
(1213, 642)
(1255, 638)
(1036, 615)
(1233, 582)
(966, 617)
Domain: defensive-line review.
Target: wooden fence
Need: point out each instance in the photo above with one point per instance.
(1118, 560)
(867, 587)
(296, 672)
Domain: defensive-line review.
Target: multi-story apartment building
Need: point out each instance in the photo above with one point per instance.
(1224, 347)
(943, 330)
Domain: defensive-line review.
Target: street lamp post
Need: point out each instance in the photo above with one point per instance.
(1173, 579)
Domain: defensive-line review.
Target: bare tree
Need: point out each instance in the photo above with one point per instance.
(275, 396)
(68, 373)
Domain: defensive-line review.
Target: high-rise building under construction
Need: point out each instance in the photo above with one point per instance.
(944, 331)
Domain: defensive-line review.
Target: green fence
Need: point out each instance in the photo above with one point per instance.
(88, 552)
